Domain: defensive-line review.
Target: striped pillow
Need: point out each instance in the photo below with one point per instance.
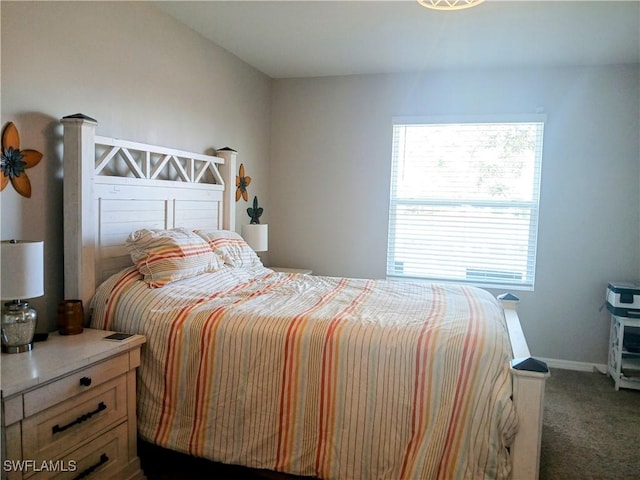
(164, 256)
(231, 247)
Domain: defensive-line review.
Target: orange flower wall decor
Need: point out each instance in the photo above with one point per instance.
(242, 182)
(14, 161)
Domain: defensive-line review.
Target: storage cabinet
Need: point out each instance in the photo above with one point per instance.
(68, 409)
(624, 352)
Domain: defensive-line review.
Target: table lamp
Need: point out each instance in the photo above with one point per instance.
(22, 277)
(257, 236)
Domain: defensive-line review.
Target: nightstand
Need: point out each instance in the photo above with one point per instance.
(304, 271)
(69, 408)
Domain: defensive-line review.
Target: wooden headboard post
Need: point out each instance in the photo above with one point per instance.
(228, 172)
(78, 206)
(113, 187)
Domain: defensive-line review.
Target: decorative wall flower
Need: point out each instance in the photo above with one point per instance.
(255, 212)
(242, 182)
(14, 161)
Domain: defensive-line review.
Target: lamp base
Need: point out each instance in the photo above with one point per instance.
(18, 327)
(18, 348)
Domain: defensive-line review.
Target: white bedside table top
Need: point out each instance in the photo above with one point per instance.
(305, 271)
(59, 355)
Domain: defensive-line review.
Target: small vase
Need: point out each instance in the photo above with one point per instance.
(70, 317)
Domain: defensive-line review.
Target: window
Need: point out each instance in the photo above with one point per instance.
(464, 200)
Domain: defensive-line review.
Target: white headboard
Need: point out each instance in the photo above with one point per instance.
(114, 187)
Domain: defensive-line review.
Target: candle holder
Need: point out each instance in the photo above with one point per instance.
(70, 317)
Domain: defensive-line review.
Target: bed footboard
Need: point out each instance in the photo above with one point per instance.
(529, 377)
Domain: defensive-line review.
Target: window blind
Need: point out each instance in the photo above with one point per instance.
(464, 201)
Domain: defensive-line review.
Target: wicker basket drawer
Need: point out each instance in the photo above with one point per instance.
(61, 428)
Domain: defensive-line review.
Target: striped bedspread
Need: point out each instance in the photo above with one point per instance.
(327, 377)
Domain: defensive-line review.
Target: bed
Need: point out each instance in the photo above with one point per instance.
(320, 376)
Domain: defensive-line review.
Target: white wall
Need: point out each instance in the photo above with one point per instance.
(144, 77)
(329, 180)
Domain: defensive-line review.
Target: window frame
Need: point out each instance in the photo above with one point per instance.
(532, 205)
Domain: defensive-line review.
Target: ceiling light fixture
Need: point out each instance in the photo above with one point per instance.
(449, 4)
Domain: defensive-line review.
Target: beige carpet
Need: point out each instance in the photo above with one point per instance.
(590, 431)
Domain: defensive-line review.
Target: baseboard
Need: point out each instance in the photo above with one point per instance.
(571, 365)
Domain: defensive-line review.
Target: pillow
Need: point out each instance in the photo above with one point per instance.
(231, 247)
(164, 256)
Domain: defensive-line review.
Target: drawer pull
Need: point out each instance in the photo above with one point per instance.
(85, 381)
(85, 473)
(57, 428)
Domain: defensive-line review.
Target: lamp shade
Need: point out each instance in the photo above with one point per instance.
(257, 236)
(22, 273)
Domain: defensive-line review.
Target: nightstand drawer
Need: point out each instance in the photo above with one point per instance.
(79, 382)
(54, 431)
(101, 458)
